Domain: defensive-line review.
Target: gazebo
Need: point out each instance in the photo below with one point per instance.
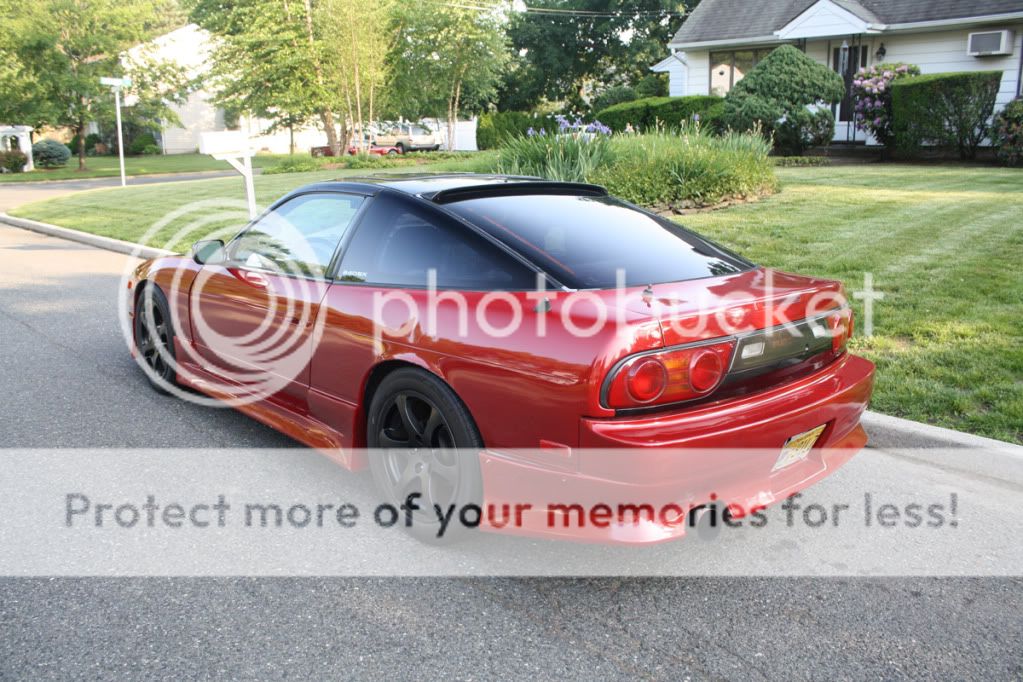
(20, 138)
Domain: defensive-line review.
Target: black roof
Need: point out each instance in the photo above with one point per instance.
(446, 187)
(726, 19)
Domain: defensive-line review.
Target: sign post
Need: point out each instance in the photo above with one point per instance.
(233, 146)
(116, 84)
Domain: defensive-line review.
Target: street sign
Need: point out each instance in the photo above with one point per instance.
(115, 82)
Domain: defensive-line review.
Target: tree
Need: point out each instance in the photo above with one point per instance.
(65, 46)
(271, 59)
(565, 47)
(447, 58)
(364, 34)
(775, 96)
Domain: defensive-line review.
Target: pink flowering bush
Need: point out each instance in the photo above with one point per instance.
(1007, 133)
(872, 98)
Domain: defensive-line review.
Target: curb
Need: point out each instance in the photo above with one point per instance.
(893, 432)
(105, 243)
(885, 432)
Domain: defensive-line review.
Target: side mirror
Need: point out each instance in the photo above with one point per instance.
(208, 251)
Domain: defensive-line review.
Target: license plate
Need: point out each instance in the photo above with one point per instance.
(798, 447)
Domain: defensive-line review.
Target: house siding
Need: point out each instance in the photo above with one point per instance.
(933, 52)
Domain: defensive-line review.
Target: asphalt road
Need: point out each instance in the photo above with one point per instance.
(67, 381)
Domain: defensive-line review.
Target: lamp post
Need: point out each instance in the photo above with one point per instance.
(116, 84)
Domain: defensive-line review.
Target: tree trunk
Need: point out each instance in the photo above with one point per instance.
(80, 130)
(327, 117)
(291, 138)
(453, 113)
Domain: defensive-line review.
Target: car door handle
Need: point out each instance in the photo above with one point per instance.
(254, 278)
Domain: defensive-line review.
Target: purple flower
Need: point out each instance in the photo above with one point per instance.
(530, 132)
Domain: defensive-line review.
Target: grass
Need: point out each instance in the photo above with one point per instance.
(129, 213)
(943, 244)
(108, 166)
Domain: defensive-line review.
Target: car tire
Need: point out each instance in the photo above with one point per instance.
(423, 440)
(435, 148)
(400, 147)
(154, 338)
(392, 152)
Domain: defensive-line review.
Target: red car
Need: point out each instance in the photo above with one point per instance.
(375, 150)
(476, 340)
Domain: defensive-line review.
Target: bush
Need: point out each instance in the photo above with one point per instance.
(662, 170)
(494, 128)
(151, 150)
(800, 161)
(775, 95)
(872, 95)
(50, 154)
(949, 109)
(616, 94)
(13, 161)
(139, 144)
(668, 171)
(652, 85)
(647, 114)
(294, 164)
(565, 157)
(1007, 133)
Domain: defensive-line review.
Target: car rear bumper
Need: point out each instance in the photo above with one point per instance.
(722, 452)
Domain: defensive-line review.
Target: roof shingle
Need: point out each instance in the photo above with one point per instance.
(725, 19)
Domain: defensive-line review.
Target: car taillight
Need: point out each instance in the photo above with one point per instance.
(840, 323)
(669, 376)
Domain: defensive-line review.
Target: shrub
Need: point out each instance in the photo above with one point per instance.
(662, 170)
(13, 161)
(652, 85)
(872, 97)
(139, 144)
(775, 95)
(616, 94)
(50, 154)
(567, 157)
(951, 109)
(151, 150)
(1007, 133)
(294, 164)
(647, 114)
(800, 161)
(671, 171)
(494, 128)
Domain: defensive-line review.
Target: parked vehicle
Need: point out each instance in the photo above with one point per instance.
(618, 380)
(374, 149)
(408, 137)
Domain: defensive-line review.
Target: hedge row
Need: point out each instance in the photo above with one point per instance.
(951, 109)
(671, 112)
(492, 129)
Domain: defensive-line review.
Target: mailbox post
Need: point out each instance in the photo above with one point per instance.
(234, 147)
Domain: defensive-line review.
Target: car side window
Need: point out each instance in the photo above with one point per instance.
(298, 237)
(398, 243)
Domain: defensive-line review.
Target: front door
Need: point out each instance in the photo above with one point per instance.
(255, 315)
(856, 59)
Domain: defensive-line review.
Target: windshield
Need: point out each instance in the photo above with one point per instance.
(582, 241)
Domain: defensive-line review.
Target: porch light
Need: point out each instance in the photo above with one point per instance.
(881, 52)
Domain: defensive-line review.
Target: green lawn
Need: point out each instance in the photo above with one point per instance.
(108, 166)
(944, 244)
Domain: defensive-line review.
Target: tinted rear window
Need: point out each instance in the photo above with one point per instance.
(583, 241)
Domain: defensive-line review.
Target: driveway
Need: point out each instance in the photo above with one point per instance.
(13, 194)
(69, 382)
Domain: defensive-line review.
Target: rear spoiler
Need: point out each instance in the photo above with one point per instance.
(511, 189)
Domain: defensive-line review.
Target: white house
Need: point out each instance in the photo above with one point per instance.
(723, 39)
